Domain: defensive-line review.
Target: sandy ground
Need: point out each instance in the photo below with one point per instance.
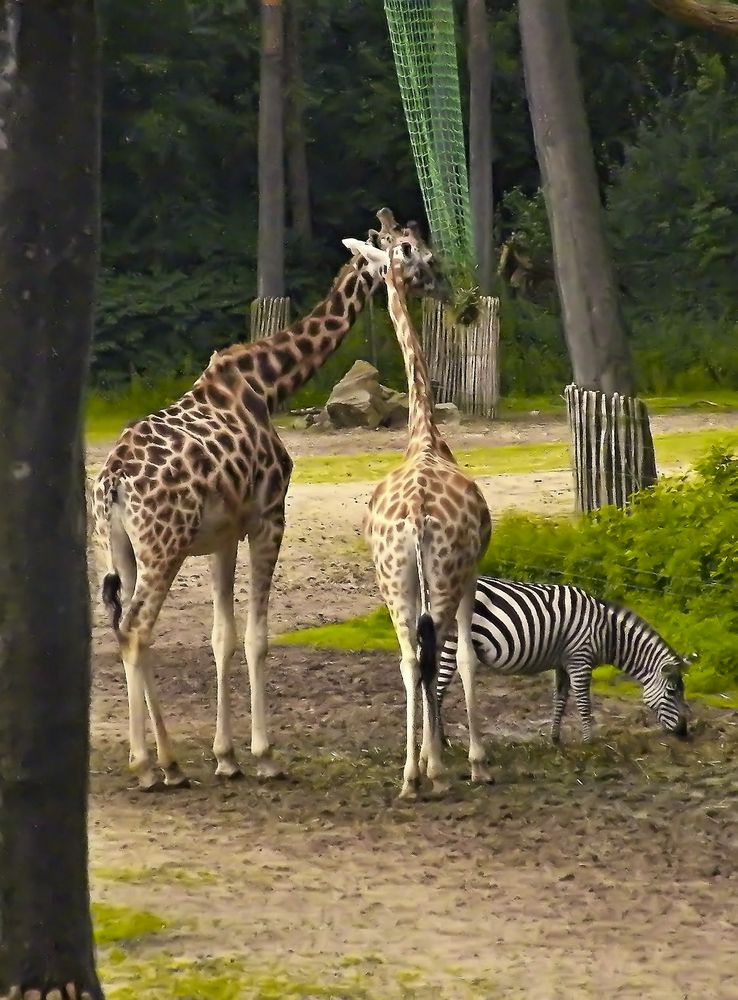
(603, 872)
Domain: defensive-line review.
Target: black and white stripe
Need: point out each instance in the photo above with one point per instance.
(526, 628)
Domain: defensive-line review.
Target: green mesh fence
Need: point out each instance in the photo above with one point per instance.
(424, 46)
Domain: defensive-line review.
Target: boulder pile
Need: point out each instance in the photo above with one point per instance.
(359, 400)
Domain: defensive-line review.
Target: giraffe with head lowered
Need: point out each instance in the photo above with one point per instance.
(196, 478)
(427, 527)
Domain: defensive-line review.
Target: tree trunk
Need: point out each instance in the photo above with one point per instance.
(480, 138)
(593, 323)
(297, 165)
(49, 170)
(270, 269)
(715, 16)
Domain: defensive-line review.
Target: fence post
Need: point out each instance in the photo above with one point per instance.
(267, 316)
(463, 359)
(612, 447)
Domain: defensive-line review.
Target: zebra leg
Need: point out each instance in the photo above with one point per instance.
(446, 671)
(466, 661)
(581, 681)
(562, 686)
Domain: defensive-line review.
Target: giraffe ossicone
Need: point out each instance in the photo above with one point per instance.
(196, 478)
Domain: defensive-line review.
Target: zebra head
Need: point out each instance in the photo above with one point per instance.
(664, 694)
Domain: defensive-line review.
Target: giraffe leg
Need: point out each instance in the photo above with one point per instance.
(223, 571)
(466, 659)
(410, 676)
(135, 638)
(264, 545)
(562, 686)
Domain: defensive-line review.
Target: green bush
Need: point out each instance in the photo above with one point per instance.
(672, 556)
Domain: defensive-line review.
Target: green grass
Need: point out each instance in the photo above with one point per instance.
(713, 400)
(114, 924)
(108, 412)
(166, 874)
(671, 449)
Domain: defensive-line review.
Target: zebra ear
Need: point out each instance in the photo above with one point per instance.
(690, 658)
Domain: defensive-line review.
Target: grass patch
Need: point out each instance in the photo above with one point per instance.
(165, 874)
(116, 924)
(107, 413)
(714, 400)
(372, 631)
(359, 978)
(671, 450)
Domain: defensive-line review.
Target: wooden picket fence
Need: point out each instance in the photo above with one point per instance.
(612, 448)
(463, 360)
(267, 316)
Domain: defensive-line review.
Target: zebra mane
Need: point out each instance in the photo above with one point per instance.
(621, 615)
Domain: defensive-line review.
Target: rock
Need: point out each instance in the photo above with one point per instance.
(356, 401)
(300, 424)
(396, 409)
(447, 413)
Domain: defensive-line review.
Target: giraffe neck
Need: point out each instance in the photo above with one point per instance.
(278, 366)
(421, 424)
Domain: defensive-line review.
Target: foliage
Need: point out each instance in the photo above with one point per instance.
(179, 181)
(687, 590)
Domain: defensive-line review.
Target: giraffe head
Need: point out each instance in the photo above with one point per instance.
(415, 260)
(411, 255)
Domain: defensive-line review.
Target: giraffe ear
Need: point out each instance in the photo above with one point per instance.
(370, 253)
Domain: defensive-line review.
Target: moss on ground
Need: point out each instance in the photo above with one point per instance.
(165, 874)
(115, 924)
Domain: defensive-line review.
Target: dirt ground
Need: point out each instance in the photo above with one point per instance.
(608, 872)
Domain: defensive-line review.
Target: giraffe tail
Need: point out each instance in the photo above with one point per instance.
(111, 598)
(427, 640)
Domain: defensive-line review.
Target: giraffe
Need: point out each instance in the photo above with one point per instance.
(198, 477)
(427, 526)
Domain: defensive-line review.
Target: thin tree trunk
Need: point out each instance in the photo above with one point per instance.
(480, 138)
(297, 165)
(270, 269)
(49, 169)
(584, 275)
(715, 16)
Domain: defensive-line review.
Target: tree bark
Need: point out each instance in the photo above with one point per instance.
(593, 322)
(297, 165)
(49, 170)
(480, 138)
(715, 16)
(270, 268)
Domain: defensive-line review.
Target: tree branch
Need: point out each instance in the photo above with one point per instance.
(715, 15)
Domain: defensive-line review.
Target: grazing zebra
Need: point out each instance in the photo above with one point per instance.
(526, 628)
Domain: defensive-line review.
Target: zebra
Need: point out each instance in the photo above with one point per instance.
(526, 628)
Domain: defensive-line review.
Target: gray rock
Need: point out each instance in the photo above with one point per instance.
(447, 413)
(356, 401)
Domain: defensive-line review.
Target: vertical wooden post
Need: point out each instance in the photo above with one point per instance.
(463, 359)
(612, 448)
(267, 316)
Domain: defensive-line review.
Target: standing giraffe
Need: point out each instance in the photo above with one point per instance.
(427, 527)
(196, 478)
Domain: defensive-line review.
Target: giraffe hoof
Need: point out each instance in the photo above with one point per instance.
(228, 767)
(439, 788)
(409, 790)
(174, 778)
(151, 786)
(269, 770)
(481, 776)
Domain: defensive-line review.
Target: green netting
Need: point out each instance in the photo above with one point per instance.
(424, 45)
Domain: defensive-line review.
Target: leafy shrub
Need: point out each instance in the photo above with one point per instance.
(672, 556)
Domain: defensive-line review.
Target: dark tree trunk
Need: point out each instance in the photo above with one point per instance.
(593, 322)
(49, 169)
(480, 138)
(297, 165)
(713, 15)
(270, 270)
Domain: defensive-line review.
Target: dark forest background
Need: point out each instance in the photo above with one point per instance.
(180, 198)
